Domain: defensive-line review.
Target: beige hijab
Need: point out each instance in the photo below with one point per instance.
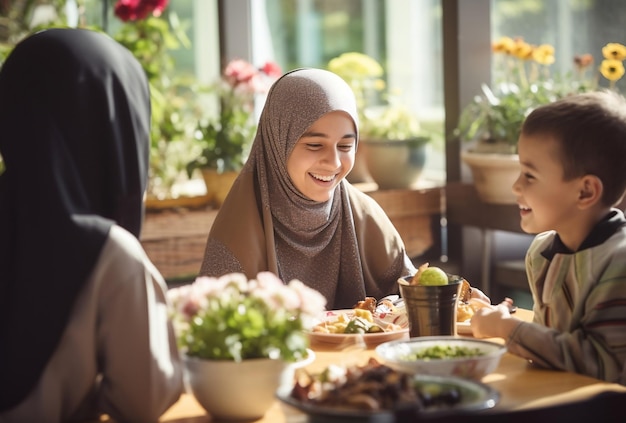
(346, 248)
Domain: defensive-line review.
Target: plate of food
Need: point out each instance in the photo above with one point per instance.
(369, 321)
(467, 306)
(376, 392)
(464, 310)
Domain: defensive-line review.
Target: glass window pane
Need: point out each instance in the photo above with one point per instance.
(572, 27)
(403, 35)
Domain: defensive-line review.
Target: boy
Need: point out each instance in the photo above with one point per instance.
(572, 156)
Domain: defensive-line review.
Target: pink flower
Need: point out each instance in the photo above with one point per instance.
(312, 300)
(244, 78)
(239, 72)
(134, 10)
(272, 69)
(191, 307)
(274, 292)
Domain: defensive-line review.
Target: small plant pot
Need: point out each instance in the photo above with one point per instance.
(218, 185)
(494, 175)
(395, 164)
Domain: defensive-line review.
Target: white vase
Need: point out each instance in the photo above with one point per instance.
(230, 390)
(494, 175)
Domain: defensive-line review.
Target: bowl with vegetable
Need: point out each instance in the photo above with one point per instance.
(443, 356)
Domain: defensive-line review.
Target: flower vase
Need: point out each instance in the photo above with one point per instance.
(245, 390)
(231, 390)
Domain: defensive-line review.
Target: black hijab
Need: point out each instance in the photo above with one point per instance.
(74, 136)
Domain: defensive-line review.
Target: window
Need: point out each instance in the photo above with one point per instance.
(572, 27)
(403, 35)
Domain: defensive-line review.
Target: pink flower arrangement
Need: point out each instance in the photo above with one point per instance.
(226, 138)
(242, 76)
(233, 318)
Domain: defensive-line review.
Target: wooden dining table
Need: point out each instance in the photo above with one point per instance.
(520, 384)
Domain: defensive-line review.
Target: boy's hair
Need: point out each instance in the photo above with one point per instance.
(591, 130)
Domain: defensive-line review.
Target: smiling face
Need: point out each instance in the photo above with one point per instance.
(323, 156)
(546, 200)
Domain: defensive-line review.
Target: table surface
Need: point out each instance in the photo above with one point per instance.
(521, 386)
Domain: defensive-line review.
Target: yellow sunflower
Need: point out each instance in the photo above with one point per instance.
(614, 51)
(503, 45)
(612, 69)
(543, 54)
(522, 49)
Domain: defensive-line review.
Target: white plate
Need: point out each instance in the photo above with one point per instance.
(464, 328)
(381, 319)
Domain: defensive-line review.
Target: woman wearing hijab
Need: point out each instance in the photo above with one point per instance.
(83, 317)
(292, 212)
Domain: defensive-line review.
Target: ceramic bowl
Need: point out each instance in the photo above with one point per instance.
(230, 390)
(401, 355)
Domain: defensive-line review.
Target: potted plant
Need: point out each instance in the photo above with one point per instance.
(231, 328)
(491, 122)
(394, 147)
(225, 138)
(393, 144)
(152, 36)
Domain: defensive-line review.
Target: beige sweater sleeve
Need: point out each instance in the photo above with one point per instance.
(118, 353)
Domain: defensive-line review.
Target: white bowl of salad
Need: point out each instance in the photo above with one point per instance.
(443, 356)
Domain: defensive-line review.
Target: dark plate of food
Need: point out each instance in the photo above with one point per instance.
(376, 393)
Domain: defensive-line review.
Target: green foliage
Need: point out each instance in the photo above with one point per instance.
(16, 17)
(389, 121)
(175, 109)
(226, 140)
(231, 318)
(250, 329)
(226, 137)
(497, 116)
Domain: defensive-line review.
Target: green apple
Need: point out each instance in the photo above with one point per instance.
(433, 276)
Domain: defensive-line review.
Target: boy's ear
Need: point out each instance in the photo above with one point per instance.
(591, 190)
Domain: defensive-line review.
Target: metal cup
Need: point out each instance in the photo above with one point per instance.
(431, 310)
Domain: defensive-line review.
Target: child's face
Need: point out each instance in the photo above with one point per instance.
(546, 200)
(323, 156)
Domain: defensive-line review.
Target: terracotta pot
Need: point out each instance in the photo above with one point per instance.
(494, 175)
(218, 184)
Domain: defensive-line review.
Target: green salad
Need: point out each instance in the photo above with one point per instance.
(438, 352)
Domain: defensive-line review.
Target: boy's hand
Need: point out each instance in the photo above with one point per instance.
(493, 321)
(479, 295)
